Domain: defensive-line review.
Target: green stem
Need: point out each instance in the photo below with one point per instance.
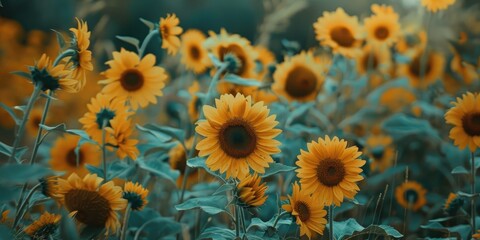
(123, 234)
(237, 222)
(330, 221)
(473, 214)
(145, 42)
(19, 214)
(278, 218)
(244, 227)
(64, 54)
(104, 151)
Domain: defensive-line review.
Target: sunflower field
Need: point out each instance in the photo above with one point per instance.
(239, 119)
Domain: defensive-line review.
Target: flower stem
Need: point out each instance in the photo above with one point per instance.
(278, 218)
(123, 234)
(64, 54)
(145, 42)
(237, 222)
(473, 213)
(330, 221)
(20, 214)
(104, 152)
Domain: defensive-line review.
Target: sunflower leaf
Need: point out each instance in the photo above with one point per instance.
(460, 170)
(217, 233)
(67, 227)
(21, 173)
(60, 127)
(131, 40)
(346, 228)
(7, 151)
(60, 39)
(153, 130)
(224, 188)
(11, 112)
(275, 168)
(232, 78)
(172, 132)
(159, 168)
(210, 204)
(5, 231)
(199, 162)
(22, 74)
(149, 24)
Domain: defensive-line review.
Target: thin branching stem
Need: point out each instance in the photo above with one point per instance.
(123, 234)
(145, 42)
(472, 201)
(19, 215)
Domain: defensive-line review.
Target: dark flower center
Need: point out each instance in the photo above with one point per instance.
(44, 232)
(369, 61)
(71, 158)
(411, 196)
(48, 82)
(416, 66)
(381, 33)
(135, 200)
(342, 36)
(471, 124)
(330, 172)
(92, 209)
(303, 210)
(301, 82)
(195, 52)
(235, 56)
(237, 138)
(104, 115)
(132, 80)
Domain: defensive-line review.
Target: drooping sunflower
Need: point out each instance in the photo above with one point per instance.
(121, 132)
(299, 78)
(48, 186)
(64, 158)
(90, 202)
(136, 195)
(265, 59)
(453, 204)
(465, 117)
(382, 28)
(194, 55)
(423, 70)
(436, 5)
(379, 149)
(130, 78)
(43, 227)
(103, 109)
(52, 77)
(396, 98)
(373, 59)
(411, 195)
(309, 214)
(339, 31)
(330, 170)
(82, 60)
(169, 31)
(251, 191)
(239, 135)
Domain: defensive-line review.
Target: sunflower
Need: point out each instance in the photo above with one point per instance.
(48, 186)
(476, 235)
(137, 80)
(411, 40)
(52, 77)
(265, 59)
(453, 204)
(82, 60)
(299, 78)
(379, 149)
(170, 30)
(64, 158)
(266, 96)
(239, 135)
(121, 132)
(90, 202)
(43, 227)
(339, 31)
(396, 98)
(330, 170)
(382, 28)
(411, 195)
(309, 214)
(136, 195)
(194, 55)
(373, 59)
(423, 70)
(436, 5)
(178, 161)
(33, 121)
(195, 102)
(467, 71)
(251, 191)
(465, 117)
(103, 109)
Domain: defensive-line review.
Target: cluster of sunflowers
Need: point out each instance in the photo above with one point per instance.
(226, 160)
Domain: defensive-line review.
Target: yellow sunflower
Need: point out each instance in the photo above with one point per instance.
(251, 191)
(453, 204)
(339, 31)
(423, 71)
(238, 136)
(465, 70)
(43, 227)
(436, 5)
(82, 61)
(136, 195)
(382, 28)
(121, 131)
(170, 30)
(396, 98)
(194, 55)
(178, 161)
(90, 202)
(330, 170)
(4, 218)
(103, 109)
(374, 59)
(137, 80)
(379, 149)
(266, 96)
(411, 195)
(265, 59)
(465, 117)
(48, 186)
(309, 214)
(52, 77)
(195, 102)
(412, 39)
(299, 78)
(64, 158)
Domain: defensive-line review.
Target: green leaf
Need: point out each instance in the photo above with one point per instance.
(159, 225)
(149, 24)
(60, 39)
(22, 74)
(131, 40)
(199, 162)
(11, 112)
(275, 168)
(232, 78)
(346, 228)
(152, 129)
(299, 111)
(210, 204)
(7, 150)
(159, 168)
(95, 170)
(67, 227)
(5, 232)
(224, 188)
(9, 192)
(460, 170)
(21, 173)
(60, 127)
(176, 133)
(20, 108)
(385, 176)
(383, 230)
(217, 233)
